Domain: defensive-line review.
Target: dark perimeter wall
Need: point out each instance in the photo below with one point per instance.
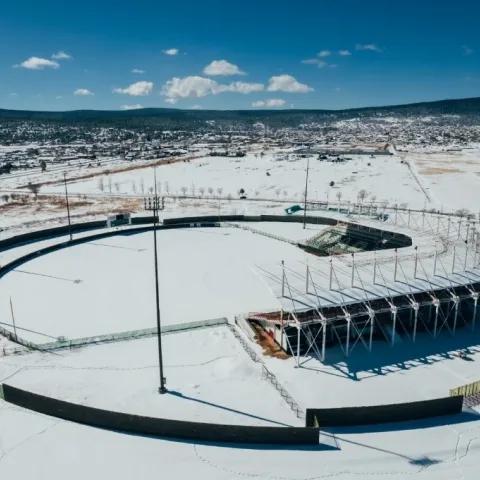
(161, 427)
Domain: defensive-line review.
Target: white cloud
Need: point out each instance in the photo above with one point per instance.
(467, 50)
(315, 61)
(222, 67)
(131, 107)
(344, 53)
(242, 87)
(171, 51)
(82, 91)
(272, 103)
(58, 97)
(61, 55)
(36, 63)
(137, 70)
(324, 53)
(196, 87)
(287, 83)
(196, 107)
(369, 46)
(136, 89)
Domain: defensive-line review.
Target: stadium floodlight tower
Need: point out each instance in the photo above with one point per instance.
(155, 205)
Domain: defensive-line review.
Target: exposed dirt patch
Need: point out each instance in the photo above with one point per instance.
(439, 171)
(270, 347)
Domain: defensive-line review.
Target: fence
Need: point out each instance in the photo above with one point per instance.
(142, 425)
(112, 337)
(468, 390)
(373, 415)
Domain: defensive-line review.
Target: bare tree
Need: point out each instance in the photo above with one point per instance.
(110, 184)
(210, 191)
(101, 185)
(151, 189)
(362, 195)
(117, 187)
(339, 196)
(183, 190)
(403, 206)
(167, 187)
(285, 193)
(35, 189)
(463, 212)
(373, 198)
(277, 192)
(193, 189)
(134, 187)
(159, 188)
(257, 193)
(202, 191)
(229, 197)
(220, 191)
(5, 198)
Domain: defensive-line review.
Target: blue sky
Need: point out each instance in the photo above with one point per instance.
(220, 54)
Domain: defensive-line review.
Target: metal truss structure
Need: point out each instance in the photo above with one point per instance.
(350, 300)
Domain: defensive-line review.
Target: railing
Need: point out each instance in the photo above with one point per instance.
(260, 232)
(268, 374)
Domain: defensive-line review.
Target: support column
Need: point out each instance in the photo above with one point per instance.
(438, 223)
(457, 304)
(348, 318)
(435, 263)
(448, 228)
(395, 269)
(394, 316)
(374, 267)
(408, 224)
(372, 321)
(453, 261)
(298, 346)
(475, 300)
(324, 339)
(283, 279)
(437, 307)
(416, 308)
(396, 213)
(459, 228)
(353, 269)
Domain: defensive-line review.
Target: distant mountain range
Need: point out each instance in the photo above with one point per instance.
(171, 116)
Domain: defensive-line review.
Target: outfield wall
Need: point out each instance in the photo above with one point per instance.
(137, 424)
(373, 415)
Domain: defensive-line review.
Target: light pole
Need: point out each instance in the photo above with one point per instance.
(68, 206)
(306, 192)
(154, 206)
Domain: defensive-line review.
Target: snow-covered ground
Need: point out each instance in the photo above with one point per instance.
(286, 179)
(209, 375)
(37, 446)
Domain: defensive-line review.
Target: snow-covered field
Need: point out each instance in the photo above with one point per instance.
(107, 286)
(273, 176)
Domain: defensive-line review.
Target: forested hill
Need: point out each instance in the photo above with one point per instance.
(468, 107)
